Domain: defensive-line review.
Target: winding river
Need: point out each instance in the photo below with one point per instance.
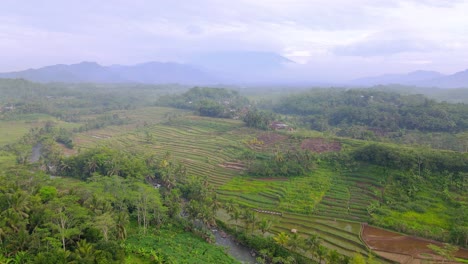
(236, 250)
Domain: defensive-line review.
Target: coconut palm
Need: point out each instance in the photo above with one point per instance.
(281, 239)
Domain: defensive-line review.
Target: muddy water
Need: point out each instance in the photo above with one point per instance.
(36, 153)
(237, 251)
(380, 239)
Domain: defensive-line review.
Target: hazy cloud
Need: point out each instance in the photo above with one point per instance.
(339, 32)
(386, 43)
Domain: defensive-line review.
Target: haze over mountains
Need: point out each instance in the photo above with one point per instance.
(223, 68)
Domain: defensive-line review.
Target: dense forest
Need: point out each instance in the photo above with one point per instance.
(213, 102)
(388, 112)
(374, 114)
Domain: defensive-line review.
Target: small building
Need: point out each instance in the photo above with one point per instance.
(278, 125)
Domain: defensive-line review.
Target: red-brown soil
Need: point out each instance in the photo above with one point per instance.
(270, 139)
(401, 248)
(320, 145)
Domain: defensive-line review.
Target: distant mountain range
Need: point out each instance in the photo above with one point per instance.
(150, 72)
(417, 78)
(236, 67)
(227, 67)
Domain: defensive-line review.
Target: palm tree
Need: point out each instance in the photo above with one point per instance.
(229, 206)
(19, 203)
(21, 257)
(321, 252)
(120, 223)
(85, 252)
(235, 215)
(311, 243)
(295, 242)
(92, 165)
(281, 239)
(265, 225)
(250, 218)
(333, 256)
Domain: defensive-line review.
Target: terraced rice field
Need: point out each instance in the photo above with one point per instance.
(298, 194)
(203, 145)
(340, 235)
(315, 203)
(349, 196)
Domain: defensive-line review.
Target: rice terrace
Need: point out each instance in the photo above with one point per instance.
(173, 169)
(329, 202)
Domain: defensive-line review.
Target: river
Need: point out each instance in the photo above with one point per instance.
(36, 153)
(236, 250)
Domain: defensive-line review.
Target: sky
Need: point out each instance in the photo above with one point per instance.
(329, 39)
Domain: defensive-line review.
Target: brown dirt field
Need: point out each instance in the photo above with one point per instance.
(66, 151)
(398, 245)
(320, 145)
(270, 139)
(233, 165)
(273, 179)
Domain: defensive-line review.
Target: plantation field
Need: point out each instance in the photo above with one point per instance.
(206, 145)
(320, 203)
(350, 195)
(13, 130)
(298, 194)
(174, 246)
(203, 145)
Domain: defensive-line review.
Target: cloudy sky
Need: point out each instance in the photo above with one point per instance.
(329, 38)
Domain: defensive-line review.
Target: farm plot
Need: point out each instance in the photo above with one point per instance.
(349, 196)
(298, 194)
(203, 145)
(400, 247)
(13, 130)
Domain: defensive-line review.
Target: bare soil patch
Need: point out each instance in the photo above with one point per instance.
(67, 152)
(320, 145)
(233, 165)
(270, 139)
(273, 179)
(396, 246)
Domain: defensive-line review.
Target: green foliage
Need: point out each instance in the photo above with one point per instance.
(172, 245)
(47, 193)
(386, 111)
(283, 164)
(213, 102)
(105, 161)
(447, 252)
(258, 119)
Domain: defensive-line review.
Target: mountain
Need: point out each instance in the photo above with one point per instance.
(80, 72)
(240, 60)
(412, 78)
(418, 78)
(243, 66)
(159, 72)
(151, 72)
(457, 80)
(224, 67)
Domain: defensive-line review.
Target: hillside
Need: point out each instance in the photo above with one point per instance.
(178, 169)
(417, 78)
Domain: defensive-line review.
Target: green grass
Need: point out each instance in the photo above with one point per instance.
(298, 194)
(175, 245)
(13, 130)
